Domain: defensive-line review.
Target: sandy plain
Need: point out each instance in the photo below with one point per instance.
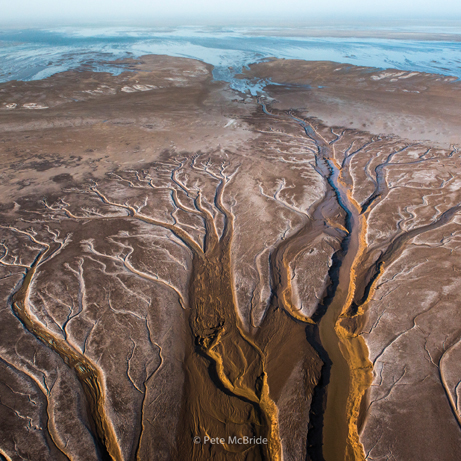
(180, 260)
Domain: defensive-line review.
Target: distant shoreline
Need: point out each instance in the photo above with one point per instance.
(331, 33)
(35, 54)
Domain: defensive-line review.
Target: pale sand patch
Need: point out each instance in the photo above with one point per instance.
(34, 105)
(128, 89)
(144, 87)
(103, 89)
(386, 75)
(411, 74)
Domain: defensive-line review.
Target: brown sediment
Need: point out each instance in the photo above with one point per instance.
(351, 346)
(89, 376)
(235, 365)
(232, 385)
(238, 374)
(350, 370)
(350, 373)
(341, 391)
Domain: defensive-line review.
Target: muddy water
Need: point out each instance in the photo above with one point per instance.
(336, 417)
(335, 433)
(349, 371)
(349, 368)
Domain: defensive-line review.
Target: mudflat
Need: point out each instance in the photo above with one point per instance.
(192, 273)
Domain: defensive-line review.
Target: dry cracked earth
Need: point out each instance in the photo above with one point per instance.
(276, 276)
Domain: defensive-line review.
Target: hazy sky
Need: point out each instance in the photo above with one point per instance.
(64, 12)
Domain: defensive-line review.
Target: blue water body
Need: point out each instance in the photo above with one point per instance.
(35, 54)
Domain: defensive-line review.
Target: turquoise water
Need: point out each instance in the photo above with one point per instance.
(39, 53)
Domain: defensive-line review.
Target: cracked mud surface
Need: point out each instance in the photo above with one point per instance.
(178, 261)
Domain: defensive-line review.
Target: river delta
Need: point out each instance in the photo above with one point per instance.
(182, 262)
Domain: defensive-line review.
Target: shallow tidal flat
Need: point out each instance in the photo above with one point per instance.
(191, 273)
